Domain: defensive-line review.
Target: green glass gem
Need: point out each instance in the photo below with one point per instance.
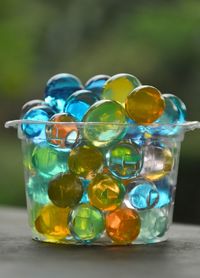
(86, 223)
(110, 117)
(154, 223)
(65, 190)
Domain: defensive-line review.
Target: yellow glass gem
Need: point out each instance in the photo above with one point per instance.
(145, 105)
(123, 225)
(158, 162)
(119, 86)
(105, 192)
(52, 222)
(65, 190)
(85, 161)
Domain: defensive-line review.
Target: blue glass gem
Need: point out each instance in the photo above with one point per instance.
(79, 103)
(179, 105)
(166, 192)
(30, 104)
(136, 133)
(141, 194)
(59, 88)
(96, 83)
(37, 190)
(38, 113)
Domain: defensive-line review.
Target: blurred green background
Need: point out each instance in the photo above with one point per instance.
(158, 41)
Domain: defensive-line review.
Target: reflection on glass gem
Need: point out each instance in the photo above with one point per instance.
(154, 223)
(38, 113)
(59, 88)
(48, 161)
(124, 160)
(65, 190)
(141, 194)
(119, 86)
(123, 225)
(85, 161)
(145, 105)
(110, 118)
(158, 162)
(37, 190)
(96, 83)
(86, 223)
(62, 135)
(52, 222)
(79, 103)
(105, 192)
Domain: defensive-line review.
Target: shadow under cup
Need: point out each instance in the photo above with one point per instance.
(100, 183)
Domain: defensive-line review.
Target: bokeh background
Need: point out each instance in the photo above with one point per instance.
(158, 41)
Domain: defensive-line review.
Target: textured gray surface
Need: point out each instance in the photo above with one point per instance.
(22, 257)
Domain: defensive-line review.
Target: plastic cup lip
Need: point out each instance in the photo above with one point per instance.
(186, 126)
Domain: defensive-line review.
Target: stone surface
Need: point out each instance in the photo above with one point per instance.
(20, 257)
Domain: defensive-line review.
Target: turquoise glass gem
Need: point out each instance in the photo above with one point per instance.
(179, 105)
(79, 103)
(85, 198)
(141, 194)
(166, 192)
(124, 160)
(37, 190)
(59, 88)
(136, 133)
(30, 104)
(111, 122)
(154, 223)
(39, 113)
(96, 83)
(49, 161)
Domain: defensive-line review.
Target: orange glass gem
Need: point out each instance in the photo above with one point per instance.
(145, 105)
(123, 225)
(52, 222)
(62, 135)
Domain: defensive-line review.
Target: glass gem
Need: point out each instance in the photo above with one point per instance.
(105, 192)
(62, 135)
(166, 192)
(158, 162)
(123, 225)
(37, 190)
(79, 103)
(124, 160)
(96, 83)
(141, 194)
(119, 86)
(52, 222)
(180, 106)
(135, 133)
(38, 113)
(59, 88)
(145, 105)
(86, 223)
(85, 161)
(154, 223)
(110, 118)
(32, 103)
(48, 161)
(65, 190)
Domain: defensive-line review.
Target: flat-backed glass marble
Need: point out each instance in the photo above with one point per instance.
(166, 192)
(96, 84)
(30, 104)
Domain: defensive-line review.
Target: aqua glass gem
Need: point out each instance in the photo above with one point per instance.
(179, 105)
(30, 104)
(38, 113)
(59, 88)
(110, 119)
(141, 194)
(48, 161)
(154, 224)
(86, 223)
(136, 133)
(96, 83)
(37, 190)
(79, 103)
(166, 192)
(85, 198)
(124, 160)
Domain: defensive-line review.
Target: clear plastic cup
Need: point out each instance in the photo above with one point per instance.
(121, 191)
